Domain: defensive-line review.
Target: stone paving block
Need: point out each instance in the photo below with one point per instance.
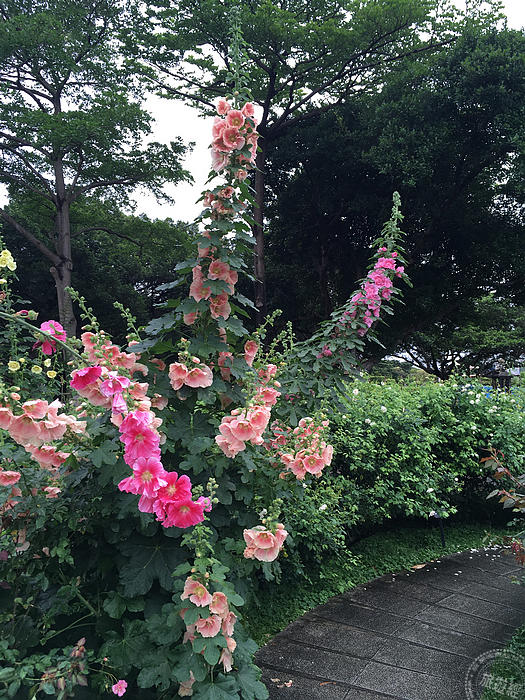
(457, 579)
(343, 610)
(409, 685)
(402, 586)
(511, 599)
(446, 640)
(289, 656)
(385, 599)
(334, 636)
(302, 688)
(415, 657)
(487, 610)
(474, 626)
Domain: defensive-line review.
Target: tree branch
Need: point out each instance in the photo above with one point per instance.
(46, 252)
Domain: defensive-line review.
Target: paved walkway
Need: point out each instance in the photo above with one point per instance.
(408, 636)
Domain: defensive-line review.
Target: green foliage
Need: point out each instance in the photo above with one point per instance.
(412, 449)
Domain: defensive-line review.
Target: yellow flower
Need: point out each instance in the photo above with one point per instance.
(21, 360)
(36, 369)
(7, 260)
(51, 374)
(13, 366)
(47, 362)
(3, 281)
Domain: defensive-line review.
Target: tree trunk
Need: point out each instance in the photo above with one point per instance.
(62, 271)
(258, 231)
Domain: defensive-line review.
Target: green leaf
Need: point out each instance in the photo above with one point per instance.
(114, 605)
(212, 653)
(148, 560)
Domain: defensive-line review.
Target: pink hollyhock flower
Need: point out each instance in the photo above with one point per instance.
(5, 417)
(219, 604)
(205, 502)
(8, 478)
(228, 624)
(149, 472)
(219, 160)
(262, 544)
(231, 643)
(235, 118)
(248, 109)
(219, 270)
(189, 634)
(224, 362)
(36, 408)
(118, 404)
(48, 345)
(400, 270)
(52, 491)
(242, 430)
(387, 263)
(119, 688)
(84, 377)
(241, 174)
(219, 306)
(198, 594)
(226, 192)
(232, 138)
(25, 431)
(177, 373)
(183, 513)
(226, 659)
(197, 289)
(177, 488)
(189, 319)
(114, 384)
(209, 626)
(185, 688)
(223, 106)
(201, 376)
(230, 448)
(250, 350)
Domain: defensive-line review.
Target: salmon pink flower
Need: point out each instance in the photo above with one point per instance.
(228, 624)
(201, 376)
(250, 350)
(36, 408)
(185, 688)
(226, 659)
(248, 110)
(196, 592)
(8, 478)
(219, 604)
(235, 118)
(223, 106)
(177, 373)
(262, 544)
(209, 626)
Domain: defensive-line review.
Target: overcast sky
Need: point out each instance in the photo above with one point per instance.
(173, 119)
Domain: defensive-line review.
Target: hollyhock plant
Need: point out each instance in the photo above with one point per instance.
(8, 478)
(197, 593)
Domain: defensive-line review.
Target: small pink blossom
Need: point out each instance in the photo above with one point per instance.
(223, 107)
(119, 688)
(219, 604)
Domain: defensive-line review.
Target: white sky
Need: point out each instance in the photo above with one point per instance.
(173, 118)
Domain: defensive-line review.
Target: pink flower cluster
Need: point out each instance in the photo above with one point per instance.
(221, 620)
(119, 688)
(166, 494)
(48, 345)
(40, 423)
(376, 288)
(248, 424)
(198, 375)
(234, 130)
(302, 450)
(263, 544)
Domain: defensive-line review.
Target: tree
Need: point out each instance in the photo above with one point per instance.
(483, 332)
(301, 60)
(447, 131)
(117, 256)
(70, 125)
